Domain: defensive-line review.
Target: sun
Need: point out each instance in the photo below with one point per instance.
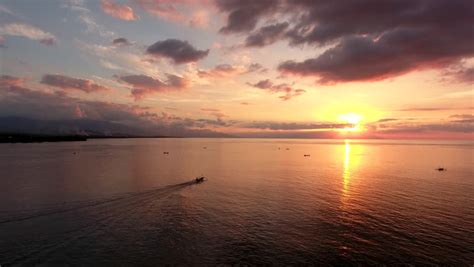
(353, 119)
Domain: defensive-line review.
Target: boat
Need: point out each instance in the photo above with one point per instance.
(199, 179)
(441, 169)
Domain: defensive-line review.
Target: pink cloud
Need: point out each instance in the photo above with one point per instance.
(119, 11)
(177, 11)
(70, 83)
(143, 85)
(199, 19)
(7, 80)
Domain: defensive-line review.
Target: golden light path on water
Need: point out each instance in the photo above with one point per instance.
(353, 154)
(347, 174)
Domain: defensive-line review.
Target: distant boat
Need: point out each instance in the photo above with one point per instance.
(166, 152)
(307, 155)
(441, 169)
(199, 179)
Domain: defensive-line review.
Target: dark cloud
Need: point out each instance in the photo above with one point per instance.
(121, 41)
(68, 83)
(243, 15)
(295, 126)
(266, 35)
(363, 58)
(145, 85)
(269, 86)
(67, 115)
(179, 51)
(368, 39)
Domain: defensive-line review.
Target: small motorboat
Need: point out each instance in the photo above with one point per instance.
(307, 155)
(441, 169)
(199, 179)
(166, 152)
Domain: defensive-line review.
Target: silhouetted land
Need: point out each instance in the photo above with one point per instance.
(32, 138)
(27, 138)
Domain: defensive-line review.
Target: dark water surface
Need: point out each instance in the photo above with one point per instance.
(125, 202)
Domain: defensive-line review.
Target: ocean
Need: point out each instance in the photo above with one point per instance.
(347, 202)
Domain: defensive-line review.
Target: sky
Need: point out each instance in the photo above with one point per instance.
(267, 68)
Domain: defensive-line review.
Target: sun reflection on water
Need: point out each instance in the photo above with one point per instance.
(352, 160)
(347, 174)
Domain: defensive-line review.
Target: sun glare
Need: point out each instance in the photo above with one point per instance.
(351, 118)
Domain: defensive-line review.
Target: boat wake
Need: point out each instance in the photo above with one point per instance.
(52, 209)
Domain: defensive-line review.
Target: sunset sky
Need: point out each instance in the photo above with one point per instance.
(267, 68)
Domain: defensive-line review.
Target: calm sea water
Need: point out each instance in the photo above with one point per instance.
(126, 202)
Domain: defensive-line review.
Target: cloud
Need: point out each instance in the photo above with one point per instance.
(459, 73)
(430, 128)
(199, 19)
(121, 41)
(266, 35)
(119, 11)
(143, 85)
(85, 16)
(178, 11)
(433, 108)
(288, 90)
(162, 8)
(214, 112)
(366, 40)
(362, 58)
(227, 70)
(386, 120)
(7, 80)
(28, 31)
(256, 67)
(455, 124)
(69, 83)
(93, 27)
(71, 115)
(123, 60)
(179, 51)
(462, 118)
(294, 126)
(243, 16)
(222, 70)
(4, 9)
